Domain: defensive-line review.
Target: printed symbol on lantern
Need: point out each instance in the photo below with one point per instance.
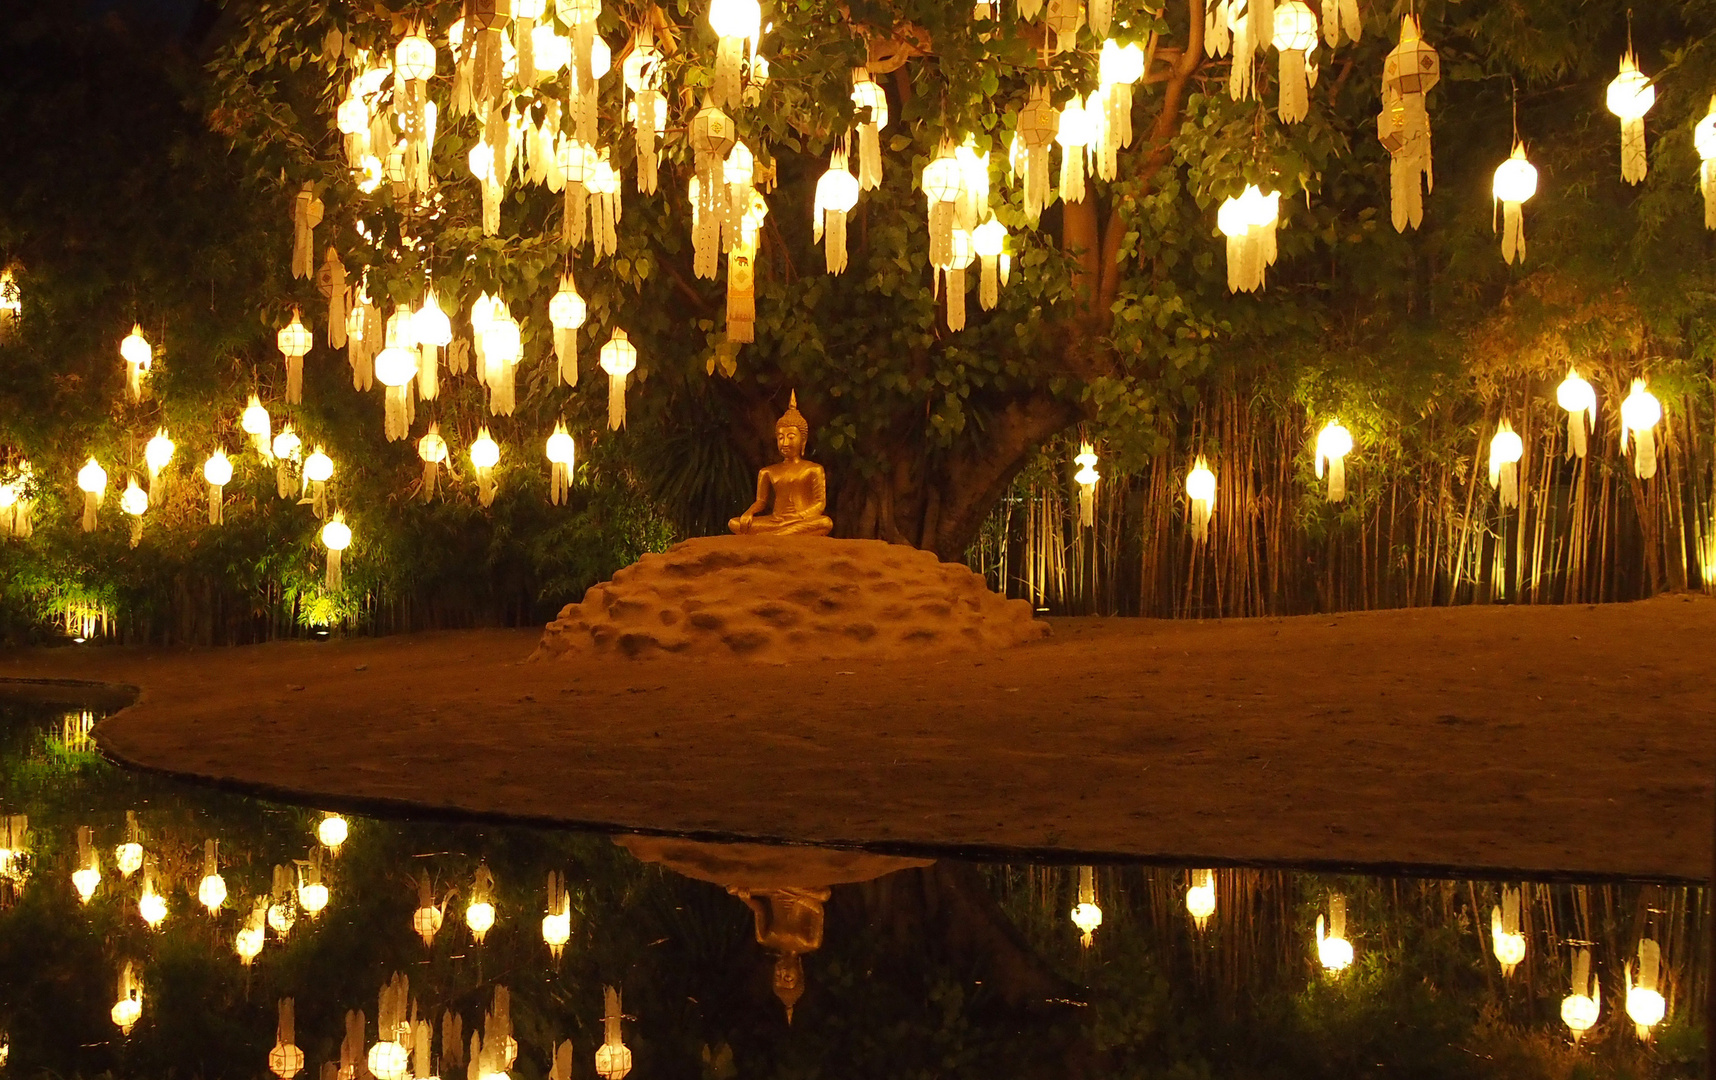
(739, 270)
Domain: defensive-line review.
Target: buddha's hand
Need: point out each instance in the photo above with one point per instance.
(745, 521)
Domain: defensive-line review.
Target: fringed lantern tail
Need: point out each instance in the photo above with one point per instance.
(869, 157)
(1509, 485)
(502, 389)
(1295, 103)
(566, 354)
(1072, 174)
(616, 402)
(396, 423)
(1644, 454)
(1087, 505)
(90, 502)
(1513, 233)
(319, 498)
(834, 240)
(1708, 177)
(989, 284)
(558, 482)
(1576, 442)
(486, 487)
(729, 54)
(294, 380)
(1200, 520)
(1337, 479)
(1634, 163)
(216, 498)
(136, 531)
(333, 579)
(428, 372)
(431, 473)
(956, 299)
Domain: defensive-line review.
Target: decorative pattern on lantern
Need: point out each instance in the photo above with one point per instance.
(1249, 222)
(480, 912)
(1506, 940)
(1334, 951)
(135, 502)
(318, 470)
(1704, 141)
(1515, 183)
(1086, 478)
(642, 74)
(1334, 443)
(712, 136)
(139, 357)
(1409, 73)
(1086, 915)
(217, 470)
(129, 1007)
(1640, 413)
(613, 1057)
(295, 343)
(1645, 1003)
(88, 873)
(485, 455)
(285, 1060)
(1630, 97)
(566, 313)
(336, 537)
(1201, 898)
(1295, 36)
(92, 481)
(619, 359)
(561, 456)
(211, 890)
(1200, 498)
(1506, 450)
(1038, 125)
(332, 831)
(432, 449)
(256, 423)
(836, 195)
(941, 182)
(288, 449)
(557, 924)
(1581, 1007)
(1576, 396)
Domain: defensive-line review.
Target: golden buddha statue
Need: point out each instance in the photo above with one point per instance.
(798, 488)
(789, 924)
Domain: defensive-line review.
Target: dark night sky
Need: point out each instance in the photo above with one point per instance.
(171, 13)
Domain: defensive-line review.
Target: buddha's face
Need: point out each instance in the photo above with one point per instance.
(789, 441)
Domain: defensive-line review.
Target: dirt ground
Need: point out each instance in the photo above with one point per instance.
(1554, 739)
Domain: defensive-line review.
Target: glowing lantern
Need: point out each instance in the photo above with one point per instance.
(426, 920)
(485, 455)
(870, 102)
(959, 256)
(211, 891)
(318, 470)
(388, 1059)
(566, 313)
(1086, 915)
(1073, 134)
(14, 845)
(941, 181)
(1506, 450)
(285, 1060)
(434, 332)
(128, 857)
(1119, 68)
(395, 369)
(283, 911)
(1201, 898)
(1249, 222)
(1704, 140)
(336, 537)
(735, 22)
(1581, 1007)
(480, 912)
(129, 1007)
(11, 310)
(432, 449)
(1408, 74)
(16, 504)
(502, 348)
(295, 343)
(312, 890)
(332, 831)
(989, 242)
(619, 359)
(1505, 937)
(1295, 35)
(1640, 413)
(836, 195)
(1515, 182)
(247, 943)
(288, 448)
(413, 67)
(642, 75)
(88, 874)
(139, 357)
(1630, 96)
(256, 423)
(157, 455)
(1201, 495)
(557, 924)
(92, 481)
(151, 905)
(1580, 401)
(1086, 478)
(1334, 951)
(1334, 443)
(217, 470)
(712, 135)
(1645, 1003)
(613, 1057)
(135, 502)
(561, 453)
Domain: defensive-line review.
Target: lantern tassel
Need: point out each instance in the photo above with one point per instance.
(486, 487)
(1644, 453)
(1072, 174)
(1200, 520)
(729, 55)
(1087, 505)
(1513, 233)
(216, 498)
(1576, 444)
(1634, 163)
(1337, 479)
(616, 402)
(431, 473)
(566, 352)
(869, 157)
(559, 482)
(294, 380)
(956, 298)
(333, 579)
(428, 371)
(1295, 103)
(989, 284)
(396, 424)
(834, 240)
(90, 502)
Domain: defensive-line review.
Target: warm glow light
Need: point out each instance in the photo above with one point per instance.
(336, 536)
(318, 467)
(158, 452)
(485, 452)
(217, 470)
(313, 898)
(85, 881)
(333, 830)
(153, 907)
(128, 858)
(480, 917)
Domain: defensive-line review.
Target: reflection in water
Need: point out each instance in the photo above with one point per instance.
(150, 928)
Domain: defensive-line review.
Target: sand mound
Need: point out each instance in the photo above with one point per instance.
(778, 599)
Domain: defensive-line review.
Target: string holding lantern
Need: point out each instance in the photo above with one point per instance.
(294, 342)
(139, 357)
(135, 502)
(1583, 1004)
(1630, 96)
(318, 470)
(1086, 478)
(567, 311)
(1515, 183)
(336, 537)
(1201, 898)
(217, 470)
(432, 449)
(485, 455)
(1294, 36)
(92, 481)
(1640, 413)
(1086, 914)
(870, 102)
(285, 1060)
(619, 359)
(1334, 951)
(613, 1057)
(836, 195)
(1410, 72)
(1704, 141)
(256, 423)
(1646, 1005)
(1576, 396)
(557, 923)
(1506, 450)
(1334, 443)
(211, 890)
(1506, 941)
(1249, 221)
(1200, 497)
(288, 449)
(737, 23)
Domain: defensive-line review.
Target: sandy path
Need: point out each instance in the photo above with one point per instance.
(1542, 739)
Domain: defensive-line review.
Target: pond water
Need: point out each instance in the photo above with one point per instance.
(893, 967)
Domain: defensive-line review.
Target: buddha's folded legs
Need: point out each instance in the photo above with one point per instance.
(768, 524)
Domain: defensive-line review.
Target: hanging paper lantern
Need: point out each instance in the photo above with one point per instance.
(285, 1060)
(1704, 140)
(413, 67)
(1341, 16)
(139, 358)
(1645, 1003)
(712, 136)
(288, 448)
(1086, 915)
(1334, 951)
(1334, 443)
(1247, 29)
(735, 23)
(870, 102)
(480, 912)
(318, 470)
(432, 449)
(157, 455)
(92, 481)
(1630, 96)
(1249, 222)
(1640, 413)
(1580, 401)
(1515, 182)
(129, 1008)
(557, 924)
(1408, 74)
(396, 368)
(642, 74)
(561, 453)
(1086, 478)
(1201, 898)
(336, 537)
(128, 857)
(836, 195)
(619, 359)
(503, 348)
(1072, 133)
(1038, 125)
(989, 241)
(1505, 937)
(613, 1057)
(434, 332)
(426, 920)
(295, 343)
(566, 313)
(88, 873)
(1295, 34)
(211, 890)
(941, 184)
(306, 215)
(257, 424)
(11, 304)
(1119, 68)
(135, 502)
(1506, 450)
(217, 470)
(959, 256)
(1201, 495)
(485, 455)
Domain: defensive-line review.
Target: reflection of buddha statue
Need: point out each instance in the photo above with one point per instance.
(789, 924)
(799, 488)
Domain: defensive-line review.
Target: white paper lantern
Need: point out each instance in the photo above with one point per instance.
(1334, 443)
(1576, 396)
(1515, 183)
(1630, 97)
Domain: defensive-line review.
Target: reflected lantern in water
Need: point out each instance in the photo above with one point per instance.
(480, 912)
(247, 943)
(1334, 443)
(613, 1057)
(151, 905)
(1505, 937)
(557, 924)
(332, 832)
(1645, 1003)
(312, 890)
(1086, 915)
(283, 911)
(211, 891)
(129, 1006)
(1201, 897)
(389, 1059)
(285, 1060)
(1579, 400)
(426, 920)
(1640, 413)
(88, 874)
(1334, 951)
(128, 857)
(1581, 1007)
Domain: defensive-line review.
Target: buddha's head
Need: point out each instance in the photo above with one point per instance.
(792, 432)
(789, 980)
